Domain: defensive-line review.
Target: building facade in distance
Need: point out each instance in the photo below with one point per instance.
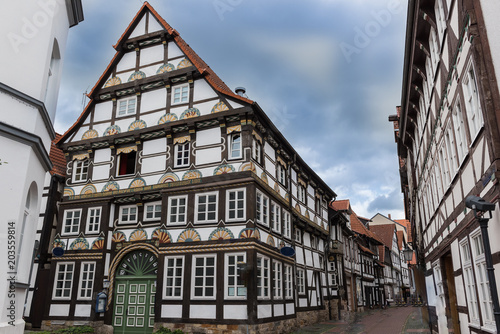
(449, 146)
(186, 199)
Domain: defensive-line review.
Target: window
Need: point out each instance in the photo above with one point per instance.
(281, 174)
(275, 217)
(126, 106)
(483, 285)
(174, 269)
(287, 225)
(287, 277)
(439, 284)
(87, 274)
(71, 223)
(440, 18)
(93, 220)
(80, 170)
(298, 235)
(301, 284)
(434, 49)
(262, 213)
(459, 126)
(301, 193)
(235, 204)
(235, 285)
(314, 244)
(235, 146)
(450, 152)
(277, 280)
(126, 163)
(470, 287)
(152, 211)
(177, 207)
(472, 105)
(206, 208)
(204, 276)
(257, 151)
(180, 94)
(182, 155)
(63, 282)
(263, 267)
(128, 214)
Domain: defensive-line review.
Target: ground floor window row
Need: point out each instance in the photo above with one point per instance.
(199, 273)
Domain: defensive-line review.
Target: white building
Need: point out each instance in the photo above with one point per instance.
(33, 38)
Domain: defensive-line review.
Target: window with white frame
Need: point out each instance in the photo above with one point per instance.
(71, 223)
(180, 94)
(440, 18)
(483, 285)
(281, 174)
(80, 170)
(287, 225)
(434, 48)
(128, 214)
(174, 277)
(257, 151)
(177, 208)
(470, 285)
(459, 127)
(301, 283)
(301, 193)
(262, 209)
(277, 280)
(206, 207)
(235, 286)
(333, 274)
(275, 217)
(235, 204)
(287, 279)
(93, 220)
(204, 276)
(126, 106)
(235, 146)
(298, 235)
(263, 279)
(438, 277)
(472, 104)
(182, 155)
(152, 211)
(126, 163)
(63, 282)
(450, 151)
(87, 274)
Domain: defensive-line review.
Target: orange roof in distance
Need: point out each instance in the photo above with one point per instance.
(57, 157)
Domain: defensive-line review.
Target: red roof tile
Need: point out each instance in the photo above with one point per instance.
(385, 233)
(366, 250)
(407, 224)
(340, 205)
(358, 227)
(400, 235)
(57, 157)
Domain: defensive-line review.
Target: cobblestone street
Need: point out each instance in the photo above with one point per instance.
(394, 320)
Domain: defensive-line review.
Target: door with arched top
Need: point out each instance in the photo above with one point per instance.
(134, 293)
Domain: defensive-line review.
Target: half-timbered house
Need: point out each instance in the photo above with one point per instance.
(448, 146)
(184, 197)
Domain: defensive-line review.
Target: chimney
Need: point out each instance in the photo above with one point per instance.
(241, 91)
(390, 216)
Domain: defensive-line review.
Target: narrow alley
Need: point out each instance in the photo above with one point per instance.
(393, 320)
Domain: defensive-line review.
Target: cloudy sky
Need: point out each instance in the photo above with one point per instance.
(327, 72)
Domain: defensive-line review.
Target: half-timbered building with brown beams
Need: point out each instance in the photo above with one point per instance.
(183, 196)
(449, 147)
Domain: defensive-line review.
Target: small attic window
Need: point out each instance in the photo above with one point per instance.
(180, 94)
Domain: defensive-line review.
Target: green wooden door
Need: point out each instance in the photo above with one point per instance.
(135, 289)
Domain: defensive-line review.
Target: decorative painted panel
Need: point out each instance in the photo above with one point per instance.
(167, 118)
(189, 235)
(221, 233)
(137, 125)
(89, 134)
(112, 130)
(165, 68)
(218, 107)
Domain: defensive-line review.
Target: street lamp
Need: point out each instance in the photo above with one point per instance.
(408, 254)
(480, 207)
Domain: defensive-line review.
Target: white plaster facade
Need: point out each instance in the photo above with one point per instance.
(34, 39)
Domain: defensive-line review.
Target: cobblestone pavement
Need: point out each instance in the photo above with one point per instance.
(394, 320)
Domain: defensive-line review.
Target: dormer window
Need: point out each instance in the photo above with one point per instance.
(126, 106)
(180, 94)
